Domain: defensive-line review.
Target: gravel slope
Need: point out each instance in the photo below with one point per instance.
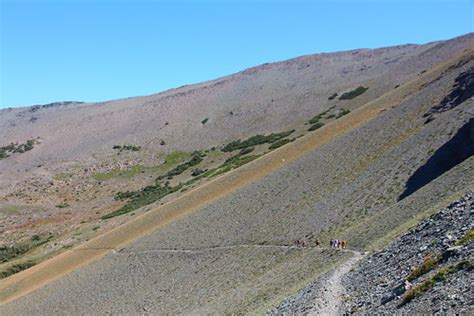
(347, 188)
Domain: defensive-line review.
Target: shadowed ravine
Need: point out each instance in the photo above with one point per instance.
(452, 153)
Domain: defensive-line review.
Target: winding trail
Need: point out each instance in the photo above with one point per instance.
(328, 301)
(323, 296)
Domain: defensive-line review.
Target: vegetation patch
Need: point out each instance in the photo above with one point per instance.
(332, 96)
(343, 112)
(280, 143)
(315, 126)
(353, 93)
(466, 239)
(17, 268)
(256, 140)
(196, 158)
(63, 176)
(205, 120)
(140, 198)
(440, 276)
(429, 263)
(14, 148)
(123, 173)
(121, 148)
(8, 253)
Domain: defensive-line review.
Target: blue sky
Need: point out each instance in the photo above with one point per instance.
(53, 50)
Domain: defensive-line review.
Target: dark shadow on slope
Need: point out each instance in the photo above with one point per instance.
(463, 89)
(452, 153)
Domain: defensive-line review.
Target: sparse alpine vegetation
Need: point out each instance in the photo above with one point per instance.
(196, 158)
(8, 253)
(121, 148)
(14, 148)
(343, 112)
(256, 140)
(353, 93)
(145, 196)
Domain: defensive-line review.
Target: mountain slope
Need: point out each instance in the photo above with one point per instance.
(234, 252)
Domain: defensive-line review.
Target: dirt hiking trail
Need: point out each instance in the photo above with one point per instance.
(328, 300)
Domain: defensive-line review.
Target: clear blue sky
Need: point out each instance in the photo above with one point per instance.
(53, 50)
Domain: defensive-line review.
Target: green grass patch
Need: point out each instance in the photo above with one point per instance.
(8, 253)
(466, 239)
(196, 159)
(119, 173)
(440, 276)
(63, 176)
(16, 268)
(256, 140)
(140, 198)
(353, 93)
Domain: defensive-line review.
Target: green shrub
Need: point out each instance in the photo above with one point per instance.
(140, 198)
(280, 143)
(245, 151)
(127, 147)
(196, 158)
(333, 96)
(330, 116)
(315, 126)
(17, 268)
(255, 140)
(353, 93)
(10, 252)
(343, 112)
(13, 148)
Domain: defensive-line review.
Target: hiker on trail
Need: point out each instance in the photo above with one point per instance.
(343, 244)
(317, 243)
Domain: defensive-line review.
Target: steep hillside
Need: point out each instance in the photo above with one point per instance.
(225, 244)
(81, 155)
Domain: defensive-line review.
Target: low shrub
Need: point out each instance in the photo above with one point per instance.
(196, 158)
(429, 263)
(467, 238)
(127, 147)
(8, 253)
(315, 126)
(140, 198)
(333, 96)
(343, 112)
(17, 268)
(353, 93)
(255, 140)
(440, 276)
(280, 143)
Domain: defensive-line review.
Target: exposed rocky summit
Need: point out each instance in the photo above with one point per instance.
(432, 262)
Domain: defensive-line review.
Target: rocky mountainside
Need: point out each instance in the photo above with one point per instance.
(203, 219)
(428, 270)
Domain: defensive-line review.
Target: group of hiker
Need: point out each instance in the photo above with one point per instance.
(337, 243)
(333, 243)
